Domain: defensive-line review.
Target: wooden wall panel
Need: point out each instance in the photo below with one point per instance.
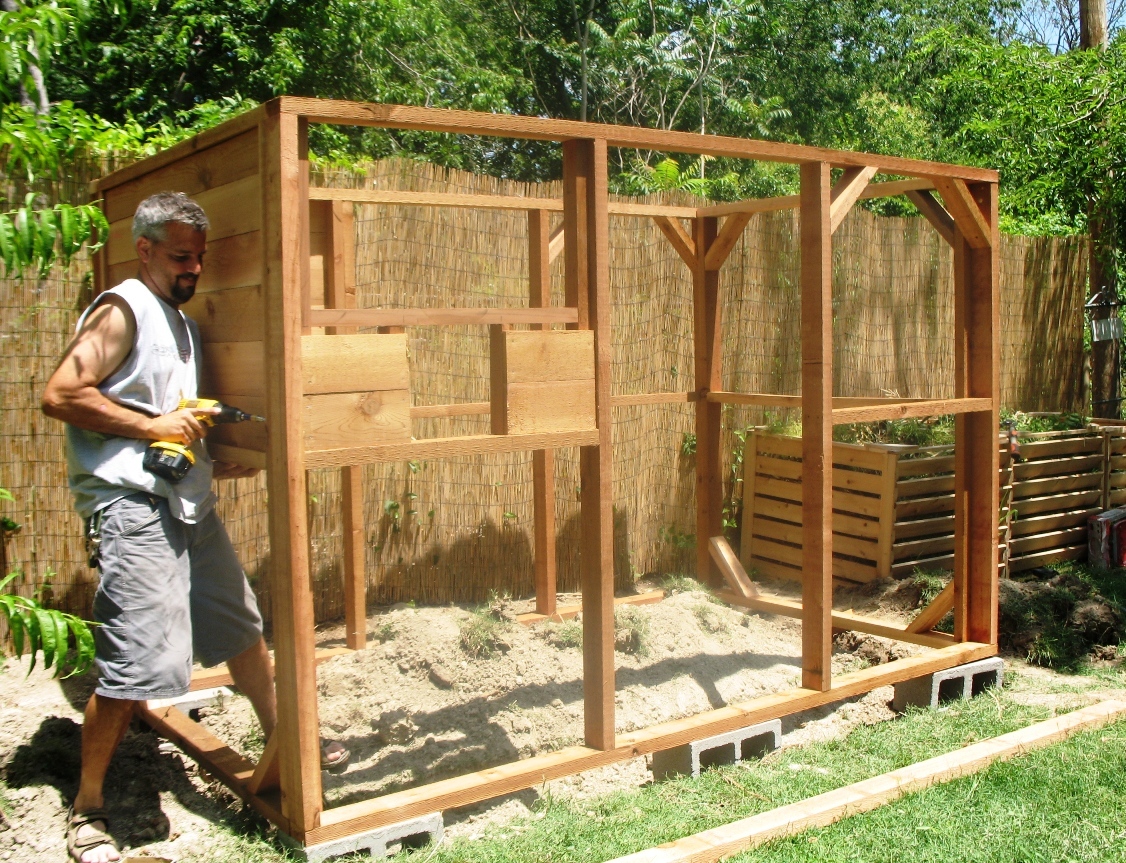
(354, 363)
(233, 315)
(231, 262)
(541, 380)
(235, 368)
(247, 435)
(550, 356)
(548, 406)
(337, 420)
(224, 163)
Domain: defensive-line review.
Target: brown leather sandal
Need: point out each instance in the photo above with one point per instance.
(77, 846)
(335, 765)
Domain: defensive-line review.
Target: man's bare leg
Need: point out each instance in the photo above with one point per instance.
(253, 673)
(104, 724)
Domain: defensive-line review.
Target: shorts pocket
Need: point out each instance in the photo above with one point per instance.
(130, 515)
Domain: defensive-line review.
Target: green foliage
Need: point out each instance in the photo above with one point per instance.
(1042, 423)
(481, 634)
(926, 431)
(631, 630)
(33, 239)
(676, 583)
(565, 635)
(46, 631)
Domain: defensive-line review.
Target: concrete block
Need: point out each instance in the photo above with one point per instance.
(754, 741)
(962, 681)
(378, 843)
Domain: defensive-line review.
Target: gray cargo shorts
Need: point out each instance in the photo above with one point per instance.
(167, 590)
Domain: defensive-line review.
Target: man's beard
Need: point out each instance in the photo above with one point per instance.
(181, 292)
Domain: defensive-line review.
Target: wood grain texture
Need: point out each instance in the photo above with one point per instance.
(285, 175)
(791, 202)
(463, 790)
(232, 209)
(550, 406)
(535, 128)
(354, 363)
(832, 806)
(674, 232)
(357, 419)
(725, 241)
(439, 317)
(233, 315)
(246, 435)
(730, 567)
(355, 581)
(817, 426)
(543, 516)
(464, 445)
(558, 355)
(238, 455)
(267, 772)
(964, 210)
(234, 368)
(935, 610)
(230, 262)
(463, 409)
(707, 359)
(934, 213)
(846, 192)
(936, 407)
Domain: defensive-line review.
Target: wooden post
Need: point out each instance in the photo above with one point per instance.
(750, 468)
(586, 226)
(707, 341)
(817, 426)
(977, 460)
(285, 175)
(885, 554)
(543, 460)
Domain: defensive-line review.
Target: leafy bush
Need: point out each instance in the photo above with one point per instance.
(46, 631)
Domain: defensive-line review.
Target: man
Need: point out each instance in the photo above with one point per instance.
(169, 578)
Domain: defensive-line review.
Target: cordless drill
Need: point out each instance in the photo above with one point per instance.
(172, 461)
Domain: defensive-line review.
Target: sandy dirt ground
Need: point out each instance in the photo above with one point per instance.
(416, 707)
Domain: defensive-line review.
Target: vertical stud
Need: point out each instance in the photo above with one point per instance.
(707, 333)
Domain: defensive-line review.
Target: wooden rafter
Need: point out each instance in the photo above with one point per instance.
(965, 211)
(847, 192)
(675, 233)
(934, 213)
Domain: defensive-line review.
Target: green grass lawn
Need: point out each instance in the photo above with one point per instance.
(1063, 803)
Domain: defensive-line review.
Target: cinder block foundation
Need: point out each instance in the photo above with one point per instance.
(963, 681)
(753, 741)
(379, 843)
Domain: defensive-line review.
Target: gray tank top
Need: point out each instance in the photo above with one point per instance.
(162, 368)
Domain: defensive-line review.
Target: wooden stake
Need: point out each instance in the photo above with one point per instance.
(285, 208)
(707, 341)
(817, 426)
(832, 806)
(586, 248)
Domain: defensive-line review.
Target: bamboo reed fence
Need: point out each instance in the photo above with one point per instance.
(457, 529)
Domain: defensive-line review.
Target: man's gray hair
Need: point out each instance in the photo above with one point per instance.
(155, 211)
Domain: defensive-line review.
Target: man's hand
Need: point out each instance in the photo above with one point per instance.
(182, 426)
(227, 470)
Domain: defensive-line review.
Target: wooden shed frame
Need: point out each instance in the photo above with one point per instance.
(256, 314)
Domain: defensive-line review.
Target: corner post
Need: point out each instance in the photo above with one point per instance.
(586, 227)
(543, 460)
(977, 458)
(817, 425)
(707, 341)
(285, 212)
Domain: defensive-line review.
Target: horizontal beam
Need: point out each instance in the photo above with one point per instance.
(486, 202)
(791, 202)
(209, 678)
(465, 409)
(651, 399)
(903, 409)
(364, 815)
(440, 317)
(776, 400)
(780, 605)
(540, 129)
(566, 612)
(449, 447)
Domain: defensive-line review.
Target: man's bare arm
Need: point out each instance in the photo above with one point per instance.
(99, 348)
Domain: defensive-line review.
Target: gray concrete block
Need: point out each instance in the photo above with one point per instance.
(753, 741)
(962, 681)
(378, 843)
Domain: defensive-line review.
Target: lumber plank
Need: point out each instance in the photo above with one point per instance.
(550, 406)
(462, 790)
(247, 435)
(730, 567)
(936, 609)
(439, 317)
(267, 772)
(965, 211)
(725, 241)
(750, 511)
(339, 264)
(462, 409)
(238, 455)
(935, 407)
(928, 485)
(921, 548)
(285, 213)
(354, 363)
(674, 232)
(817, 425)
(843, 479)
(846, 192)
(555, 243)
(773, 604)
(355, 563)
(977, 302)
(233, 208)
(558, 355)
(234, 368)
(1056, 467)
(356, 419)
(1057, 502)
(1042, 558)
(1056, 521)
(911, 467)
(651, 399)
(707, 357)
(232, 315)
(448, 447)
(763, 399)
(1036, 488)
(832, 806)
(1053, 539)
(924, 527)
(934, 213)
(535, 128)
(566, 612)
(791, 512)
(790, 202)
(1074, 446)
(587, 285)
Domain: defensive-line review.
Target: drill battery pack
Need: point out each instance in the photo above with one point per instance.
(168, 460)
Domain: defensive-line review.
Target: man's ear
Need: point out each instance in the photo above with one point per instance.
(144, 249)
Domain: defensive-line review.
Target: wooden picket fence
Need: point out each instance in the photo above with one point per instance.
(894, 505)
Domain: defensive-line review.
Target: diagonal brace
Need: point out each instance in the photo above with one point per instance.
(934, 213)
(965, 210)
(847, 192)
(725, 241)
(674, 231)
